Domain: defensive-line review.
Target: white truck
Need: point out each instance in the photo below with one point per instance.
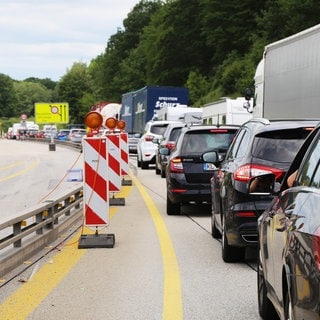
(226, 111)
(176, 113)
(287, 79)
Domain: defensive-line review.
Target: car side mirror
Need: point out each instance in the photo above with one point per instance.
(211, 157)
(263, 185)
(164, 151)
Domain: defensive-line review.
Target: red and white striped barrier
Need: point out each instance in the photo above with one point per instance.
(96, 181)
(124, 147)
(114, 162)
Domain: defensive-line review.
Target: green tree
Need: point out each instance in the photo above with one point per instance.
(7, 97)
(27, 93)
(75, 87)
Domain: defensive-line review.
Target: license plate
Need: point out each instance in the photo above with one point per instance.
(209, 167)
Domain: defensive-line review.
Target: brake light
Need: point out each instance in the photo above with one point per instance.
(316, 247)
(176, 165)
(148, 138)
(170, 145)
(219, 130)
(248, 171)
(246, 214)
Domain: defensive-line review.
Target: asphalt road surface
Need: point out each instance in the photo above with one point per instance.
(161, 267)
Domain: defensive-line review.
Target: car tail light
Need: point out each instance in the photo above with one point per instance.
(149, 138)
(170, 145)
(316, 246)
(176, 165)
(247, 171)
(245, 214)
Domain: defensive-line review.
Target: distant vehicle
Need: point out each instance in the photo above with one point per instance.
(170, 137)
(188, 174)
(226, 110)
(260, 147)
(50, 133)
(146, 148)
(133, 139)
(63, 134)
(76, 135)
(289, 239)
(140, 106)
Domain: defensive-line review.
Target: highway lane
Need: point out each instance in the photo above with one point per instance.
(30, 173)
(127, 282)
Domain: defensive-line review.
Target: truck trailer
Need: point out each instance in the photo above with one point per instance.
(287, 79)
(139, 107)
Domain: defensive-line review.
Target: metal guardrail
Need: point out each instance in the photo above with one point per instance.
(34, 228)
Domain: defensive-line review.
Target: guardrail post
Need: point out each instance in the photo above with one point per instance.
(16, 231)
(66, 204)
(55, 210)
(39, 218)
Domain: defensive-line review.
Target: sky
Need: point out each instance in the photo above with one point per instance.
(43, 38)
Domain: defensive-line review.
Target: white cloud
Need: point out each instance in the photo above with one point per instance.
(44, 38)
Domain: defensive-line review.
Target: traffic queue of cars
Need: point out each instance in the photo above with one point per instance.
(242, 173)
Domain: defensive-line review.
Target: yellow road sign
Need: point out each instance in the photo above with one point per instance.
(54, 112)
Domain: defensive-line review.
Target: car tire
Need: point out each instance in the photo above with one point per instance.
(230, 253)
(144, 165)
(138, 162)
(172, 208)
(214, 231)
(163, 173)
(158, 171)
(266, 309)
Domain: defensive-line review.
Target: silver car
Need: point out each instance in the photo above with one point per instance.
(76, 135)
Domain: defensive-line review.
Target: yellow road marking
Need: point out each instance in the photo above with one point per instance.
(18, 173)
(172, 296)
(12, 165)
(22, 303)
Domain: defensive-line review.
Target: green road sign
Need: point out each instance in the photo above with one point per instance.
(54, 112)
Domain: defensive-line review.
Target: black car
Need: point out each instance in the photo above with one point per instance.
(260, 147)
(187, 174)
(289, 239)
(170, 137)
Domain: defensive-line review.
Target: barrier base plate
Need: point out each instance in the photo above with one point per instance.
(117, 201)
(88, 241)
(125, 182)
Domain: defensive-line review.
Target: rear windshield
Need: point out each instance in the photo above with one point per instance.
(200, 141)
(174, 134)
(278, 146)
(158, 129)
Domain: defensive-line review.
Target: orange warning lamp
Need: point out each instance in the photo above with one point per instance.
(121, 124)
(93, 120)
(111, 123)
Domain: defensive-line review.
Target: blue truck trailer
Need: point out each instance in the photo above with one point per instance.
(140, 106)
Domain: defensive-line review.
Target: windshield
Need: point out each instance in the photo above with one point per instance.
(278, 146)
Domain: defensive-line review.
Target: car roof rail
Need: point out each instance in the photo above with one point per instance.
(261, 120)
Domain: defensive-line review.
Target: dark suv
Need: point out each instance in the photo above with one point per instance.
(260, 147)
(289, 239)
(187, 174)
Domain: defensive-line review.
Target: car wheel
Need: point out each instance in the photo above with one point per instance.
(172, 208)
(230, 253)
(214, 231)
(158, 171)
(144, 165)
(163, 173)
(266, 309)
(138, 162)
